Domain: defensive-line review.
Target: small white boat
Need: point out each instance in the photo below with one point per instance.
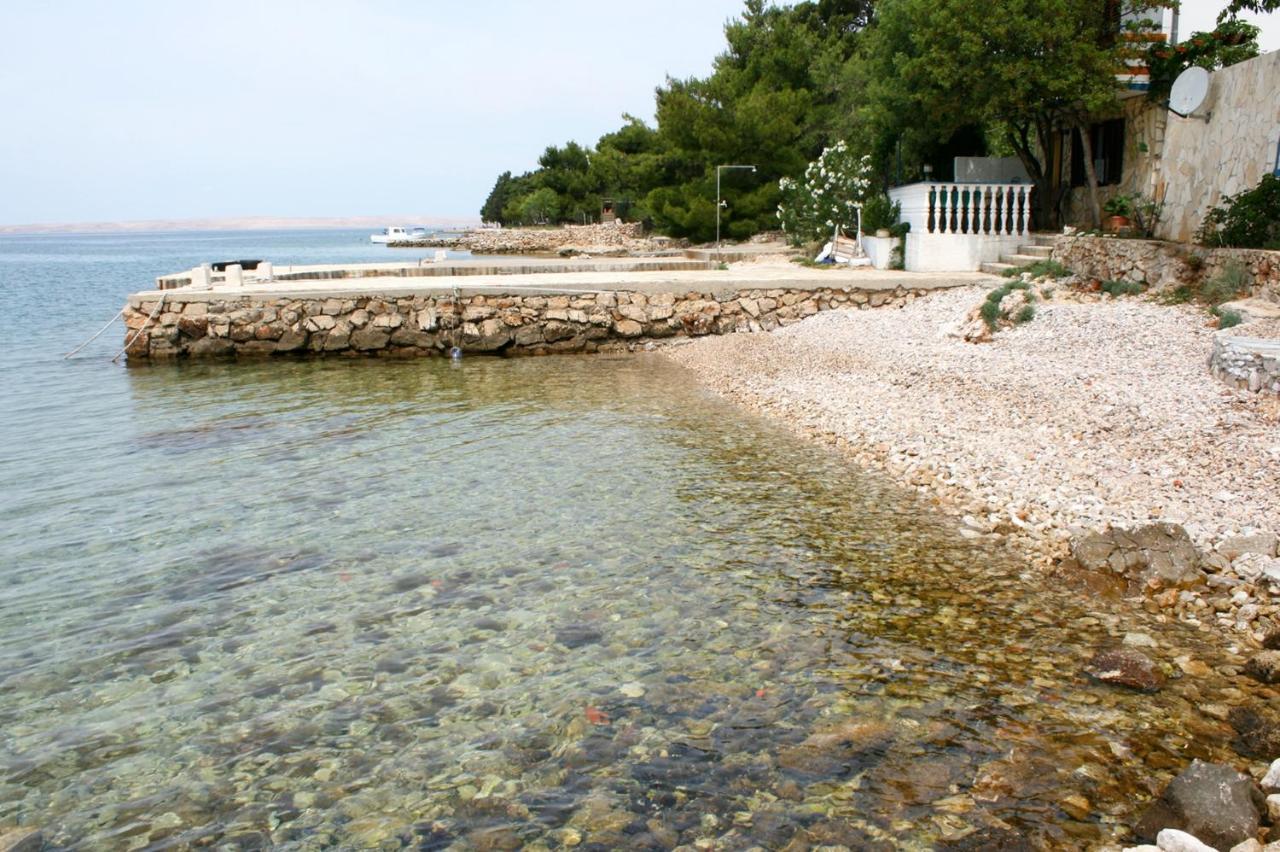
(397, 234)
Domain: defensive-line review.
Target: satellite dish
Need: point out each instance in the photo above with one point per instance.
(1189, 91)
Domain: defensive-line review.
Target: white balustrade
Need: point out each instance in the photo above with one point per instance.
(973, 209)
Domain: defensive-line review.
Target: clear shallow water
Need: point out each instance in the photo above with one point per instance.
(503, 604)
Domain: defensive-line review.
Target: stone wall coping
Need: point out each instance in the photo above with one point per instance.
(578, 283)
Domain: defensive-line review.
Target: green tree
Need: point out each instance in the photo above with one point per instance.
(498, 198)
(1025, 67)
(1235, 7)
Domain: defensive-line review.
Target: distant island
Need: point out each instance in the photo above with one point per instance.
(241, 223)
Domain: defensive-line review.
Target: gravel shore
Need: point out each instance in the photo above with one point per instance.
(1095, 413)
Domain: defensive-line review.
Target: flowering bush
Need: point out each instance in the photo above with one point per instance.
(834, 186)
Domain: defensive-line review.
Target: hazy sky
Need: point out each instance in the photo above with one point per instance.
(142, 110)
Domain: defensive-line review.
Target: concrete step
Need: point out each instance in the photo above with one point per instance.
(1044, 252)
(1044, 239)
(997, 268)
(1020, 259)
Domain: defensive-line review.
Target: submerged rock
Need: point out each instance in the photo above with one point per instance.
(577, 635)
(1126, 667)
(1214, 803)
(22, 840)
(1257, 736)
(1264, 666)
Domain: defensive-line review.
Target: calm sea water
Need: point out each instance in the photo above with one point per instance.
(503, 604)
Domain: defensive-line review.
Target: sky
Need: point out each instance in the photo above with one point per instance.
(163, 110)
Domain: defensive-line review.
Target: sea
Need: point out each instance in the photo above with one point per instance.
(538, 603)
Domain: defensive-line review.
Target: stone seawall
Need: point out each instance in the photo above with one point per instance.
(194, 325)
(1163, 265)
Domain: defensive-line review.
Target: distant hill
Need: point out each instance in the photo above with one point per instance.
(241, 223)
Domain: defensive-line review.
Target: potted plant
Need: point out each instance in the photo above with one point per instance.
(1119, 209)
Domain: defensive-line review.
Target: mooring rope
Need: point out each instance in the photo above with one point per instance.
(95, 337)
(129, 341)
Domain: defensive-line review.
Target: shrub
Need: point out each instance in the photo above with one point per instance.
(879, 212)
(1039, 269)
(1226, 285)
(1122, 288)
(833, 186)
(1228, 318)
(1250, 219)
(990, 309)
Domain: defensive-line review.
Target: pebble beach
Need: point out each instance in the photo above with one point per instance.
(1098, 413)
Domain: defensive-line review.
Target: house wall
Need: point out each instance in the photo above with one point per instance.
(1192, 163)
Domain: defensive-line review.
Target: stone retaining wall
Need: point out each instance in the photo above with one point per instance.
(423, 325)
(1246, 363)
(620, 237)
(1163, 265)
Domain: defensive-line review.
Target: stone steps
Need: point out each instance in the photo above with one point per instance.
(1040, 248)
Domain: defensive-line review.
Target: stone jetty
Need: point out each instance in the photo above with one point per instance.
(374, 311)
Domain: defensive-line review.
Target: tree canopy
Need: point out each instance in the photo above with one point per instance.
(905, 82)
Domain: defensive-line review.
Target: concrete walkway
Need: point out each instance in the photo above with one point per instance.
(600, 277)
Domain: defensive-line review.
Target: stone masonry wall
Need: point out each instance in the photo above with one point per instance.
(412, 326)
(1163, 265)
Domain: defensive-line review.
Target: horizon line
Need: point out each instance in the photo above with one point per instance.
(235, 223)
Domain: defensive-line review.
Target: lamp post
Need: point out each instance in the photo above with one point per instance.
(720, 203)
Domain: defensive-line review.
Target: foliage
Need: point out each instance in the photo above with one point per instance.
(990, 309)
(1235, 7)
(1118, 205)
(834, 185)
(1040, 269)
(1230, 42)
(1122, 288)
(1250, 219)
(1227, 318)
(770, 101)
(1022, 69)
(879, 212)
(1025, 314)
(1147, 212)
(1231, 282)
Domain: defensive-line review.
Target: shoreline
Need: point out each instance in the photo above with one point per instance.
(1050, 449)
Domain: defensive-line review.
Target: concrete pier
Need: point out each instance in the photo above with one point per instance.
(520, 306)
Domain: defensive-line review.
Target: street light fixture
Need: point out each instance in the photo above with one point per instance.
(720, 203)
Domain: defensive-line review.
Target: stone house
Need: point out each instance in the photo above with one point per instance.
(1191, 163)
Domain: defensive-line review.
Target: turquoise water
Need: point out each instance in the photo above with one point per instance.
(500, 604)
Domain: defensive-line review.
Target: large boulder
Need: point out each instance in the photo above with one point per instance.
(1214, 803)
(1152, 557)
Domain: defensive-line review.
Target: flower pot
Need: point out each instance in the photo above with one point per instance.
(1118, 223)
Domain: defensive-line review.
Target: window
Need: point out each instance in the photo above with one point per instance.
(1108, 153)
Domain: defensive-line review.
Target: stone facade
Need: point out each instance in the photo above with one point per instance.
(1163, 265)
(192, 326)
(1192, 163)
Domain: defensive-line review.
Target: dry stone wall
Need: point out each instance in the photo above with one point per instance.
(424, 325)
(617, 238)
(1163, 265)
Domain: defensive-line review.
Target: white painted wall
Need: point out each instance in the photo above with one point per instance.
(879, 249)
(955, 252)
